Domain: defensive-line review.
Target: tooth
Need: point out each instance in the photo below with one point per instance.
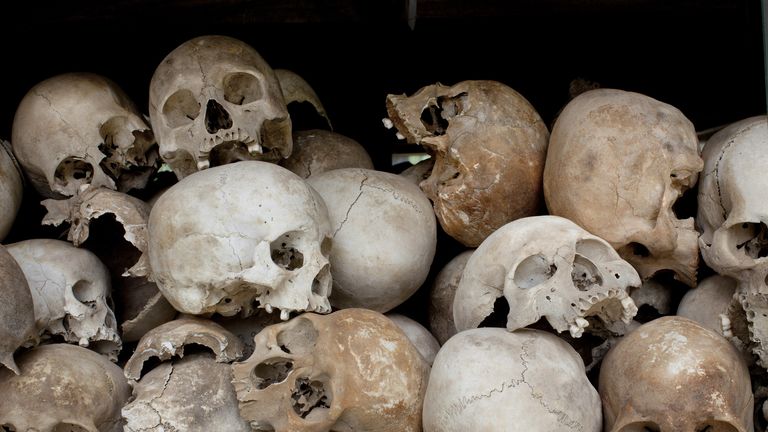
(581, 322)
(268, 308)
(254, 148)
(576, 331)
(387, 123)
(400, 136)
(725, 324)
(203, 164)
(284, 315)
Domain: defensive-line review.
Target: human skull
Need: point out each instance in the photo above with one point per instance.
(190, 394)
(353, 370)
(489, 146)
(616, 164)
(441, 297)
(384, 237)
(70, 289)
(672, 374)
(239, 233)
(421, 338)
(297, 90)
(733, 213)
(490, 379)
(11, 188)
(546, 266)
(17, 311)
(63, 388)
(80, 129)
(317, 151)
(709, 303)
(214, 100)
(170, 339)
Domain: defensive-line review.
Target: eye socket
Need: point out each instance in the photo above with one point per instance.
(285, 253)
(181, 108)
(641, 427)
(533, 271)
(242, 88)
(84, 292)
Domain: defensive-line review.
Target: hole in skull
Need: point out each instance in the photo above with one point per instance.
(73, 172)
(304, 116)
(85, 292)
(67, 427)
(216, 117)
(497, 318)
(299, 338)
(271, 372)
(241, 88)
(585, 273)
(435, 117)
(533, 271)
(7, 428)
(285, 254)
(636, 249)
(181, 108)
(309, 395)
(685, 206)
(752, 239)
(228, 152)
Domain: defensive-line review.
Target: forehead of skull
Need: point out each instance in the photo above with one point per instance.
(649, 367)
(738, 157)
(205, 59)
(56, 258)
(245, 199)
(616, 124)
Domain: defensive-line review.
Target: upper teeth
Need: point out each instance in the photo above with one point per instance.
(387, 123)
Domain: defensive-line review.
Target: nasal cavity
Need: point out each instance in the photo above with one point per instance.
(216, 117)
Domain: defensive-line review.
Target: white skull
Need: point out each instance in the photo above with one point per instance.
(617, 162)
(63, 388)
(77, 129)
(353, 370)
(733, 217)
(546, 266)
(214, 100)
(70, 288)
(11, 188)
(489, 145)
(17, 311)
(673, 375)
(231, 235)
(421, 338)
(710, 303)
(490, 379)
(384, 237)
(190, 394)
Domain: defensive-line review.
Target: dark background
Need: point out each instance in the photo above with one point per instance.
(704, 57)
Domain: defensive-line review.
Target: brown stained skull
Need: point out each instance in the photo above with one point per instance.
(489, 146)
(63, 388)
(80, 129)
(214, 100)
(353, 370)
(317, 151)
(673, 375)
(617, 163)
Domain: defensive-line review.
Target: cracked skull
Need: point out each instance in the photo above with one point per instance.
(490, 379)
(353, 370)
(546, 266)
(214, 100)
(673, 375)
(70, 291)
(489, 146)
(378, 268)
(617, 163)
(241, 233)
(63, 388)
(733, 213)
(81, 129)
